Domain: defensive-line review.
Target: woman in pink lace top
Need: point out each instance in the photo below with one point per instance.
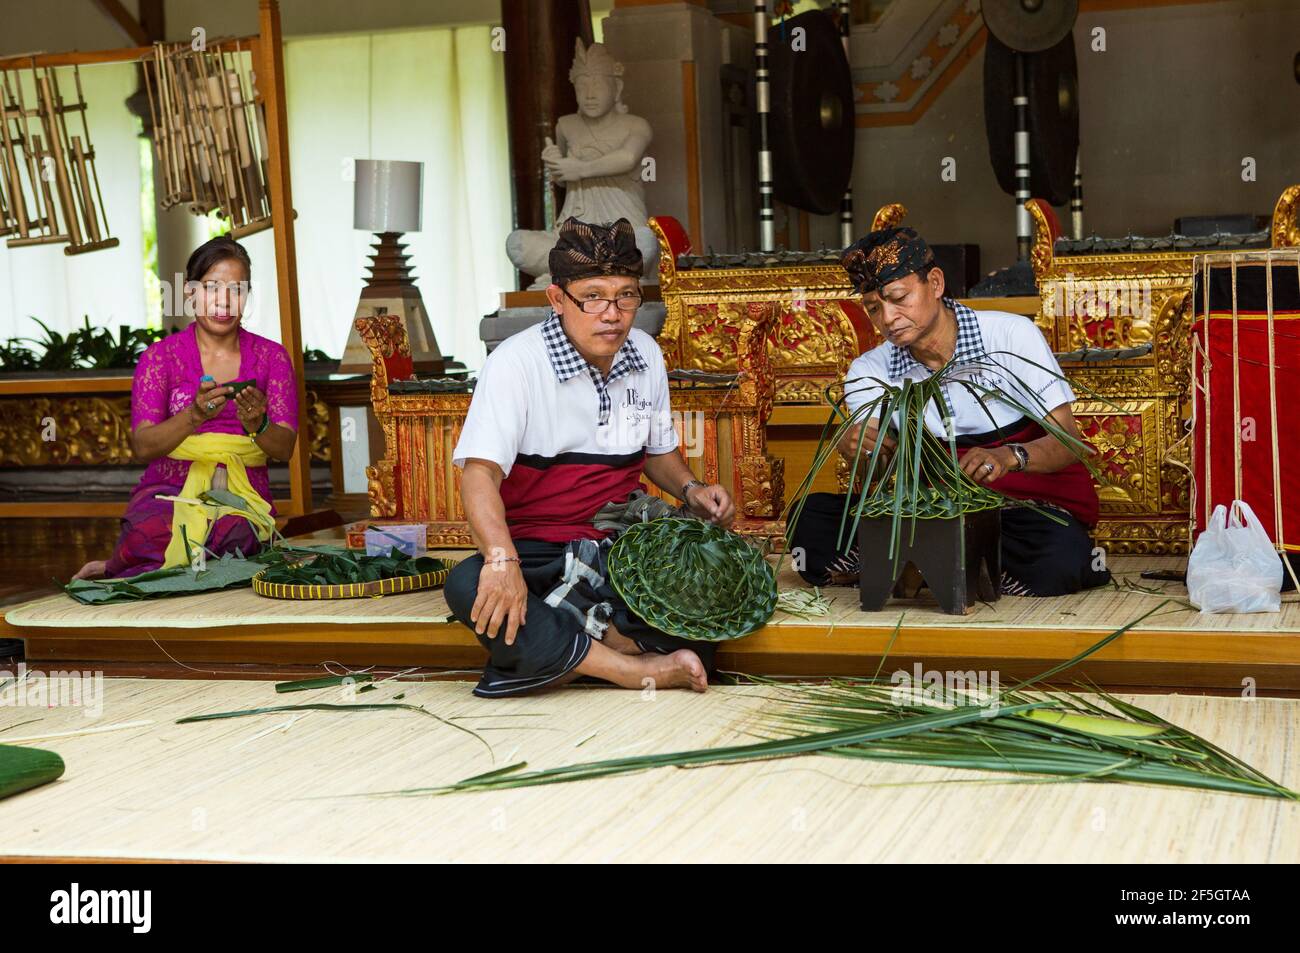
(170, 400)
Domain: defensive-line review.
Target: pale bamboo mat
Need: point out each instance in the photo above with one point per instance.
(1103, 609)
(225, 791)
(229, 607)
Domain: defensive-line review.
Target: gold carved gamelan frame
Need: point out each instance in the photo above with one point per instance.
(1122, 300)
(722, 428)
(414, 479)
(811, 341)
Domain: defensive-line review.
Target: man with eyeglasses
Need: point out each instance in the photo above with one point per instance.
(565, 419)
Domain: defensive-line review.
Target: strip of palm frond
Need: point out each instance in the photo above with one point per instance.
(692, 579)
(323, 706)
(325, 681)
(24, 768)
(1043, 733)
(805, 603)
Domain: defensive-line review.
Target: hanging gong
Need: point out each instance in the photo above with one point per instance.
(810, 127)
(1052, 84)
(1030, 26)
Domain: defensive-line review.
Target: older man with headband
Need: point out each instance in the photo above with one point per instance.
(566, 417)
(903, 293)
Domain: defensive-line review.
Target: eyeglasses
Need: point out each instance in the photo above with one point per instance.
(598, 305)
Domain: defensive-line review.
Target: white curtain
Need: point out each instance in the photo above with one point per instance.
(436, 96)
(108, 286)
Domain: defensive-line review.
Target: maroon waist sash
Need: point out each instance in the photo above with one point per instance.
(1070, 488)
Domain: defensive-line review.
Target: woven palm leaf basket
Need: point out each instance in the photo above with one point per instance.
(692, 579)
(352, 590)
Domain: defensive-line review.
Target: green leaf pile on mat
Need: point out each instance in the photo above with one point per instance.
(25, 768)
(230, 571)
(343, 567)
(1043, 734)
(692, 579)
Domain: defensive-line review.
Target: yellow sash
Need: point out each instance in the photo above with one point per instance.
(205, 451)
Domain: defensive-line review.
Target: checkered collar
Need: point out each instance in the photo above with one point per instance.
(566, 361)
(970, 343)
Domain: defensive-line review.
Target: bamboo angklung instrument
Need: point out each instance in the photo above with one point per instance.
(75, 169)
(206, 135)
(15, 203)
(60, 168)
(763, 101)
(42, 227)
(6, 220)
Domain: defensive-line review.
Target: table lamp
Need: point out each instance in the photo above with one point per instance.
(387, 201)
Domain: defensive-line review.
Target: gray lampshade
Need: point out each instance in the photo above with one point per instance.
(387, 195)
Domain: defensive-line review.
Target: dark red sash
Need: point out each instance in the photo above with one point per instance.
(1071, 488)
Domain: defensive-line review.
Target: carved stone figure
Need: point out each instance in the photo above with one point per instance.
(596, 155)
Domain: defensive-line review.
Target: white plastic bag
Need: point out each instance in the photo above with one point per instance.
(1233, 566)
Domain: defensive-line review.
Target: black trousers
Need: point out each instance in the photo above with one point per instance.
(550, 644)
(1040, 557)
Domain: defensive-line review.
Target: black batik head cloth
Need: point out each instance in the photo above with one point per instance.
(589, 251)
(884, 256)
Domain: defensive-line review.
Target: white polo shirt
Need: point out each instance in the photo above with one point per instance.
(568, 440)
(1005, 342)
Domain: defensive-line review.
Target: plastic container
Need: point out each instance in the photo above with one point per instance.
(408, 538)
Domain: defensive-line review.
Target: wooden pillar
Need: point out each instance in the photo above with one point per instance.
(539, 37)
(270, 82)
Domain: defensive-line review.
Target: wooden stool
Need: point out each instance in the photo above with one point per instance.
(960, 559)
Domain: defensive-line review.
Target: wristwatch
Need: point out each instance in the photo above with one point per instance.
(687, 487)
(1022, 456)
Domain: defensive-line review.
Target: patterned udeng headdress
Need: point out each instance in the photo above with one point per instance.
(884, 256)
(586, 251)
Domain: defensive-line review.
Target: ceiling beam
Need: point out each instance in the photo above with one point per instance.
(124, 21)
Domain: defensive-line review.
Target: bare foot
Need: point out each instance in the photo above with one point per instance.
(681, 669)
(92, 570)
(619, 642)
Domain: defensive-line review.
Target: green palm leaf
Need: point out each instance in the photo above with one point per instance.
(1034, 735)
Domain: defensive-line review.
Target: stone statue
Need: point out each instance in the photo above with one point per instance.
(596, 155)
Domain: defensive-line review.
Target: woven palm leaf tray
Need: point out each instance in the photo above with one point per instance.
(352, 590)
(693, 579)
